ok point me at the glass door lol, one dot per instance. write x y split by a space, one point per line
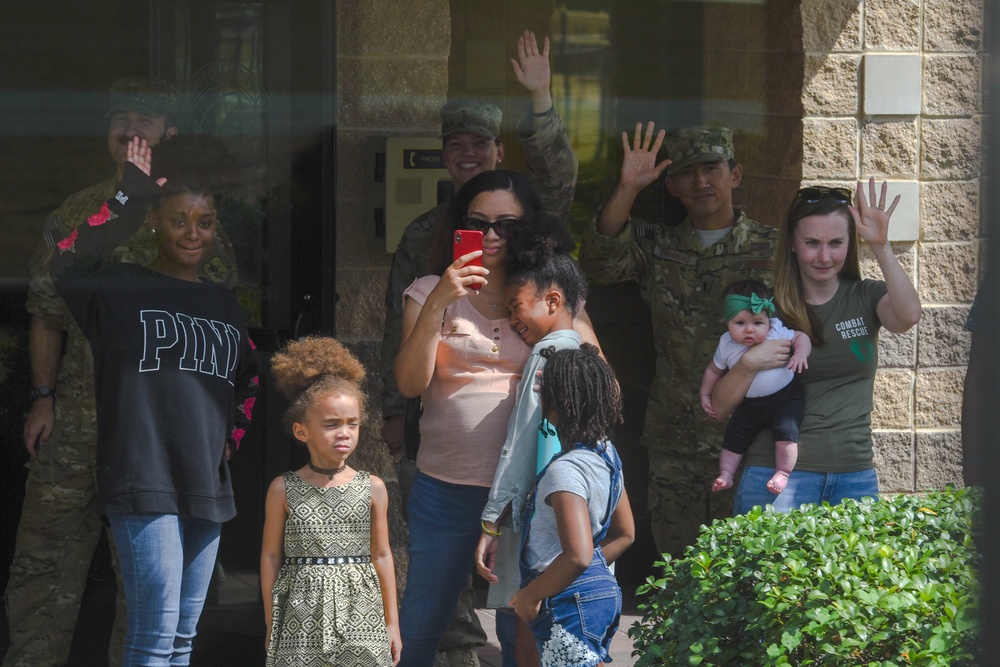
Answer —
262 77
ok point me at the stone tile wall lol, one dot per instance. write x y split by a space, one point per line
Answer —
892 88
392 77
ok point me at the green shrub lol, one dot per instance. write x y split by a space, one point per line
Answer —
870 583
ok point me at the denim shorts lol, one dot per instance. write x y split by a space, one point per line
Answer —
575 627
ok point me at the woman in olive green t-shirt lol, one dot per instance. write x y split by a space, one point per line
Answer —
819 291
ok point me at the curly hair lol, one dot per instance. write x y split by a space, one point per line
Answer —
309 369
581 389
528 245
558 271
488 181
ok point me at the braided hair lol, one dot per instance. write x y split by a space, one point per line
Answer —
310 369
581 389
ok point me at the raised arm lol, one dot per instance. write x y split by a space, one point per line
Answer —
533 71
639 169
417 356
414 365
899 309
552 165
89 243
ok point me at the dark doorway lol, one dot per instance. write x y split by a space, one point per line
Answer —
259 75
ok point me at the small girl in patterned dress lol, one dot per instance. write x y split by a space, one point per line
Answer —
326 570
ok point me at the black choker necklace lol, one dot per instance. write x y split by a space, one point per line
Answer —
329 472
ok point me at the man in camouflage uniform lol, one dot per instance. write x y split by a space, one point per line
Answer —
470 133
681 272
59 526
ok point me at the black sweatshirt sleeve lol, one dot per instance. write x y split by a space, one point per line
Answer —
121 216
78 260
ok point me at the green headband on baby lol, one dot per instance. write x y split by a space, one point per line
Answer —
734 303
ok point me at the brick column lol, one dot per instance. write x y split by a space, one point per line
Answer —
892 90
392 76
951 159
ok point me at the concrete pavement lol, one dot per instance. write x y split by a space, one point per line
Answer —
621 646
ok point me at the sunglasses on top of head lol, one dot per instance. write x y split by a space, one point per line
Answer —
817 193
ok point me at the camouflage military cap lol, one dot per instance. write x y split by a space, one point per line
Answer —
144 94
480 118
698 144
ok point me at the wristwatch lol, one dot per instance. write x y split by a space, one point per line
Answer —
41 392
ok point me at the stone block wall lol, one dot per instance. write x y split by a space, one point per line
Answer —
392 77
892 89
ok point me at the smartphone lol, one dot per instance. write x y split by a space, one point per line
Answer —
466 241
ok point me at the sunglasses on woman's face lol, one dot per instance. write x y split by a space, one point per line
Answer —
818 193
501 226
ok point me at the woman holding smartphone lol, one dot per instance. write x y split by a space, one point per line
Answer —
460 355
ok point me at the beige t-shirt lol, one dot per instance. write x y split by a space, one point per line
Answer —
471 394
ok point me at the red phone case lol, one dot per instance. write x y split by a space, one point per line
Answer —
466 241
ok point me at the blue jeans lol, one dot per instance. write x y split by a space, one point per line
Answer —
167 563
444 530
803 487
506 623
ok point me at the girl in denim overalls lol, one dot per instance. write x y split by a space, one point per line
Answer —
583 522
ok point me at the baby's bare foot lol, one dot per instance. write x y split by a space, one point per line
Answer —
722 482
778 482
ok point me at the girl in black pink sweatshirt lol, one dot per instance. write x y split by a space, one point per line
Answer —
175 377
